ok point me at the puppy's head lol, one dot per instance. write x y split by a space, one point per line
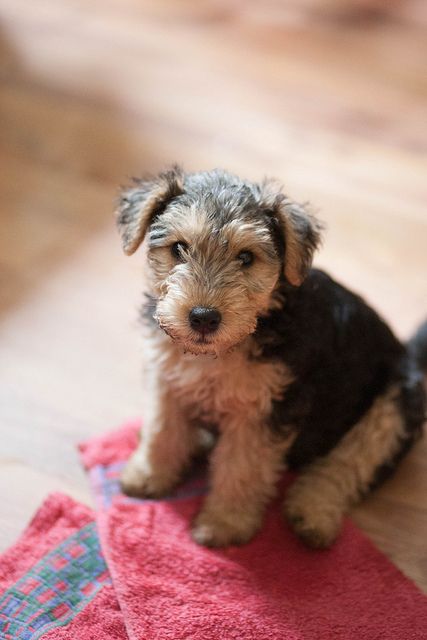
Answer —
217 246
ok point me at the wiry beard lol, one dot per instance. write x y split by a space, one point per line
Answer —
202 346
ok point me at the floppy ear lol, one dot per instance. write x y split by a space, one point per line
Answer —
140 203
300 232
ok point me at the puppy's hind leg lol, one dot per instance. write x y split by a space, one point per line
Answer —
164 450
325 490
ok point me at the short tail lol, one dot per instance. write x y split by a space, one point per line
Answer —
417 347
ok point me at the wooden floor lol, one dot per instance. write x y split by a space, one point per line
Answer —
331 102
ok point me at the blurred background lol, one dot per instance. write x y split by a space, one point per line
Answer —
328 96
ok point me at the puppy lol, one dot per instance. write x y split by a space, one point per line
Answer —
244 338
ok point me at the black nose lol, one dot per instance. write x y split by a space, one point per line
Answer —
204 320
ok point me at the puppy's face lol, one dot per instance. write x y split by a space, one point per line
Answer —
213 269
216 249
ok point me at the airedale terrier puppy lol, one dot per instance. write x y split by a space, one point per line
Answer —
244 338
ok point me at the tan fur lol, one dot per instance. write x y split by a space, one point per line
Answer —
293 266
324 492
234 508
298 255
139 225
195 378
247 460
211 277
214 248
165 445
139 204
211 388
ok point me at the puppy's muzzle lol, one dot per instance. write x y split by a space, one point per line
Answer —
204 319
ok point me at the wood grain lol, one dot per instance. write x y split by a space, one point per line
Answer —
332 101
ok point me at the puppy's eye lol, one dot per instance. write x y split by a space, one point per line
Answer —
177 249
246 258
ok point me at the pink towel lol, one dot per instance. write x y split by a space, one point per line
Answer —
54 582
170 588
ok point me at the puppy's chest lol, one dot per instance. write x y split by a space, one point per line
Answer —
229 384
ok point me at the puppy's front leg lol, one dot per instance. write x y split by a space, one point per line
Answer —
244 469
164 449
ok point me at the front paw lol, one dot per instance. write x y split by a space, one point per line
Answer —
220 529
139 481
314 515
